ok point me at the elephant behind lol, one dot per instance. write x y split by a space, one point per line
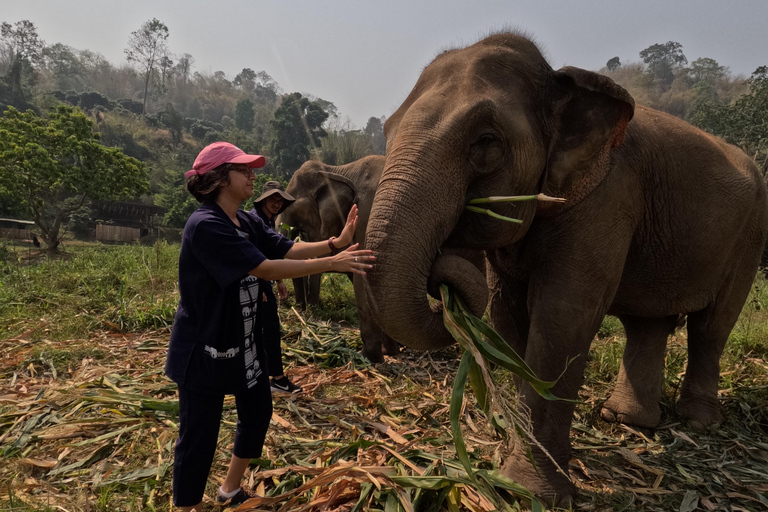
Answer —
660 220
324 194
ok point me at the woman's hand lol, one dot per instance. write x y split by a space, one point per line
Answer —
345 238
353 260
282 290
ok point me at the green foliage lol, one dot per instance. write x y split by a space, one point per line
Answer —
613 63
663 60
375 130
707 70
341 147
244 115
745 121
130 288
296 129
23 48
146 47
52 165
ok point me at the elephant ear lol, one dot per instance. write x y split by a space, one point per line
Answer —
590 119
335 196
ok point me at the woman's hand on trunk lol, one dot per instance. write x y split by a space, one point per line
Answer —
345 238
353 260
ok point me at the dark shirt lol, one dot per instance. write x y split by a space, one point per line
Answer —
257 211
216 342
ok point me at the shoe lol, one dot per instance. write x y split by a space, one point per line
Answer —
240 496
284 386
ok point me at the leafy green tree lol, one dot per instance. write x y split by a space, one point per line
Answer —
663 60
244 115
23 49
375 130
64 65
53 165
246 80
706 70
296 128
171 119
745 121
146 47
613 63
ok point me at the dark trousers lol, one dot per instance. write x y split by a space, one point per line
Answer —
199 420
270 334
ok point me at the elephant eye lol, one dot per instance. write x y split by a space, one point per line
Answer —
486 152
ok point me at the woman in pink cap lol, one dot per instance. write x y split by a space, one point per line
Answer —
215 346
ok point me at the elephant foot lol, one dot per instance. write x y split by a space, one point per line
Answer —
372 353
630 412
390 347
699 412
552 487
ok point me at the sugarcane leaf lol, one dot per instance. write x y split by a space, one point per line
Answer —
477 382
457 398
365 492
490 213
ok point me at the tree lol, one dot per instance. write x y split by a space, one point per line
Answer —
53 165
375 130
613 63
244 115
166 66
145 47
745 121
246 79
65 66
22 48
663 60
184 66
707 70
297 127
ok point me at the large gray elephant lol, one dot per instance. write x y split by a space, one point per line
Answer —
660 220
324 194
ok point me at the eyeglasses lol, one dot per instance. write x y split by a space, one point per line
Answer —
245 170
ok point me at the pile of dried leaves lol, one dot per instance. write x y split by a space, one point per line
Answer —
90 425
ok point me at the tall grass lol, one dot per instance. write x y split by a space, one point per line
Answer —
125 288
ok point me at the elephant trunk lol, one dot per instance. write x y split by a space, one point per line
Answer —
414 211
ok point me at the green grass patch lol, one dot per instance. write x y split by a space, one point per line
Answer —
126 288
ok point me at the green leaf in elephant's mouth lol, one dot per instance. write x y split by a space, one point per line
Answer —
507 199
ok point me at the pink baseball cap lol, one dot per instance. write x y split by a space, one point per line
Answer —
219 153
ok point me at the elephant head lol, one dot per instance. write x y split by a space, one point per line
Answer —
323 200
491 119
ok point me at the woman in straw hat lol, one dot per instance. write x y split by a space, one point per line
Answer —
271 203
215 346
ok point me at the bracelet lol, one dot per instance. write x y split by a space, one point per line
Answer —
334 250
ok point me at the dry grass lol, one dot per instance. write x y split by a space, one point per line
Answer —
89 423
97 433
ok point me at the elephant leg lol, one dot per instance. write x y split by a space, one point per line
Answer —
508 310
635 400
557 334
313 295
389 346
300 291
708 332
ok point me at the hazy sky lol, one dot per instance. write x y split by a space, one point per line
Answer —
366 56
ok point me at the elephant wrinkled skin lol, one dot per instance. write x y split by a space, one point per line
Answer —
660 220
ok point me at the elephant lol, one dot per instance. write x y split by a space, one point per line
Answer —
660 220
324 194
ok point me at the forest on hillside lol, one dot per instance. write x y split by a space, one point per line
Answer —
153 112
